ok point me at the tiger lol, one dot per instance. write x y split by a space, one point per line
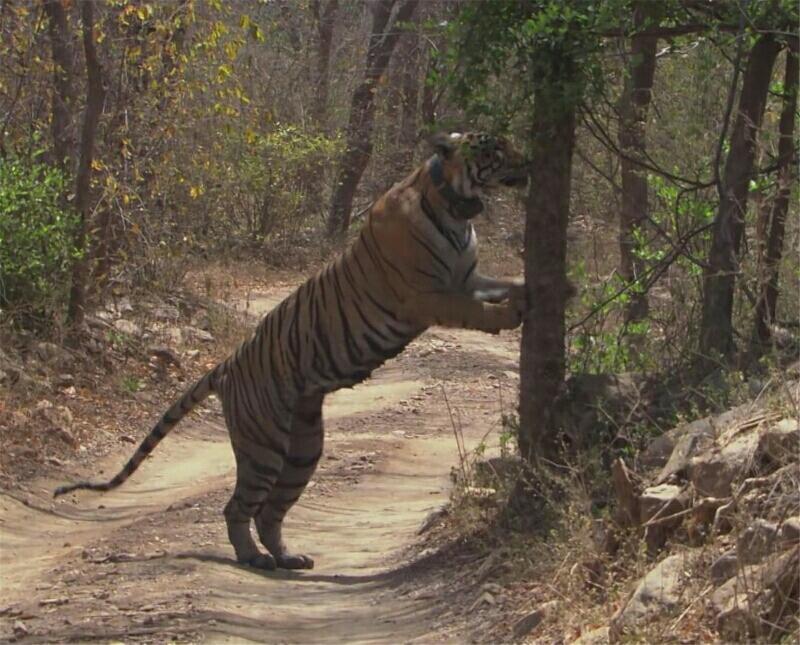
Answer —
413 265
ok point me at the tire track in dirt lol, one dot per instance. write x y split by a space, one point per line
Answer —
151 561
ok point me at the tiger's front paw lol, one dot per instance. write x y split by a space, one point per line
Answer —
505 316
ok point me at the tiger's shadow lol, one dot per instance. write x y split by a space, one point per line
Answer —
395 575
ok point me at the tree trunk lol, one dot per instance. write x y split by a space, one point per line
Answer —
633 108
768 297
542 355
325 22
63 81
409 96
95 96
716 331
383 39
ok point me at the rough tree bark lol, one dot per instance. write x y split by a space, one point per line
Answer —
325 20
382 41
768 296
719 280
63 81
95 96
633 108
542 355
409 95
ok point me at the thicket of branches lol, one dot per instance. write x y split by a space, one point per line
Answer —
136 134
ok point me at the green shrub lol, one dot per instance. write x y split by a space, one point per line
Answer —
36 239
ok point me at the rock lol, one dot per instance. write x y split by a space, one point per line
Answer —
780 443
712 474
626 494
658 592
20 630
789 534
198 334
598 636
531 621
64 380
660 502
52 353
165 312
724 568
760 603
432 518
656 453
192 354
165 355
121 306
484 599
174 336
695 437
127 327
756 541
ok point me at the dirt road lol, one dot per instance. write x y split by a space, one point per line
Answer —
151 562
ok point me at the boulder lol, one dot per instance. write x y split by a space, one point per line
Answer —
658 505
692 439
789 534
762 602
780 443
756 541
127 327
598 636
52 353
657 593
532 620
198 334
165 312
724 568
713 472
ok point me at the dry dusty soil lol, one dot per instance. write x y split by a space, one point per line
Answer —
151 562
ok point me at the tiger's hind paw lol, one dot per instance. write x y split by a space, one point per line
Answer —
291 561
262 561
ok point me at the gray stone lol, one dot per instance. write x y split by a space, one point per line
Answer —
531 621
661 501
724 568
52 353
198 334
657 593
764 597
165 312
695 437
780 443
127 327
713 472
756 541
597 636
789 534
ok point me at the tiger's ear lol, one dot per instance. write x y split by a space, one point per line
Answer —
443 144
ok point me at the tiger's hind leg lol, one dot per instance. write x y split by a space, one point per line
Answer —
305 449
257 470
260 443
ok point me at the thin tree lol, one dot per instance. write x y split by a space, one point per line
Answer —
63 96
542 353
95 96
383 38
633 108
716 332
325 20
766 305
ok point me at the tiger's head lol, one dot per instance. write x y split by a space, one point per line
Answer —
466 165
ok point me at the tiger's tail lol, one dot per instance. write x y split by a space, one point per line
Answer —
197 393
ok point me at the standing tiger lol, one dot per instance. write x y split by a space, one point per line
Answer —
412 266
